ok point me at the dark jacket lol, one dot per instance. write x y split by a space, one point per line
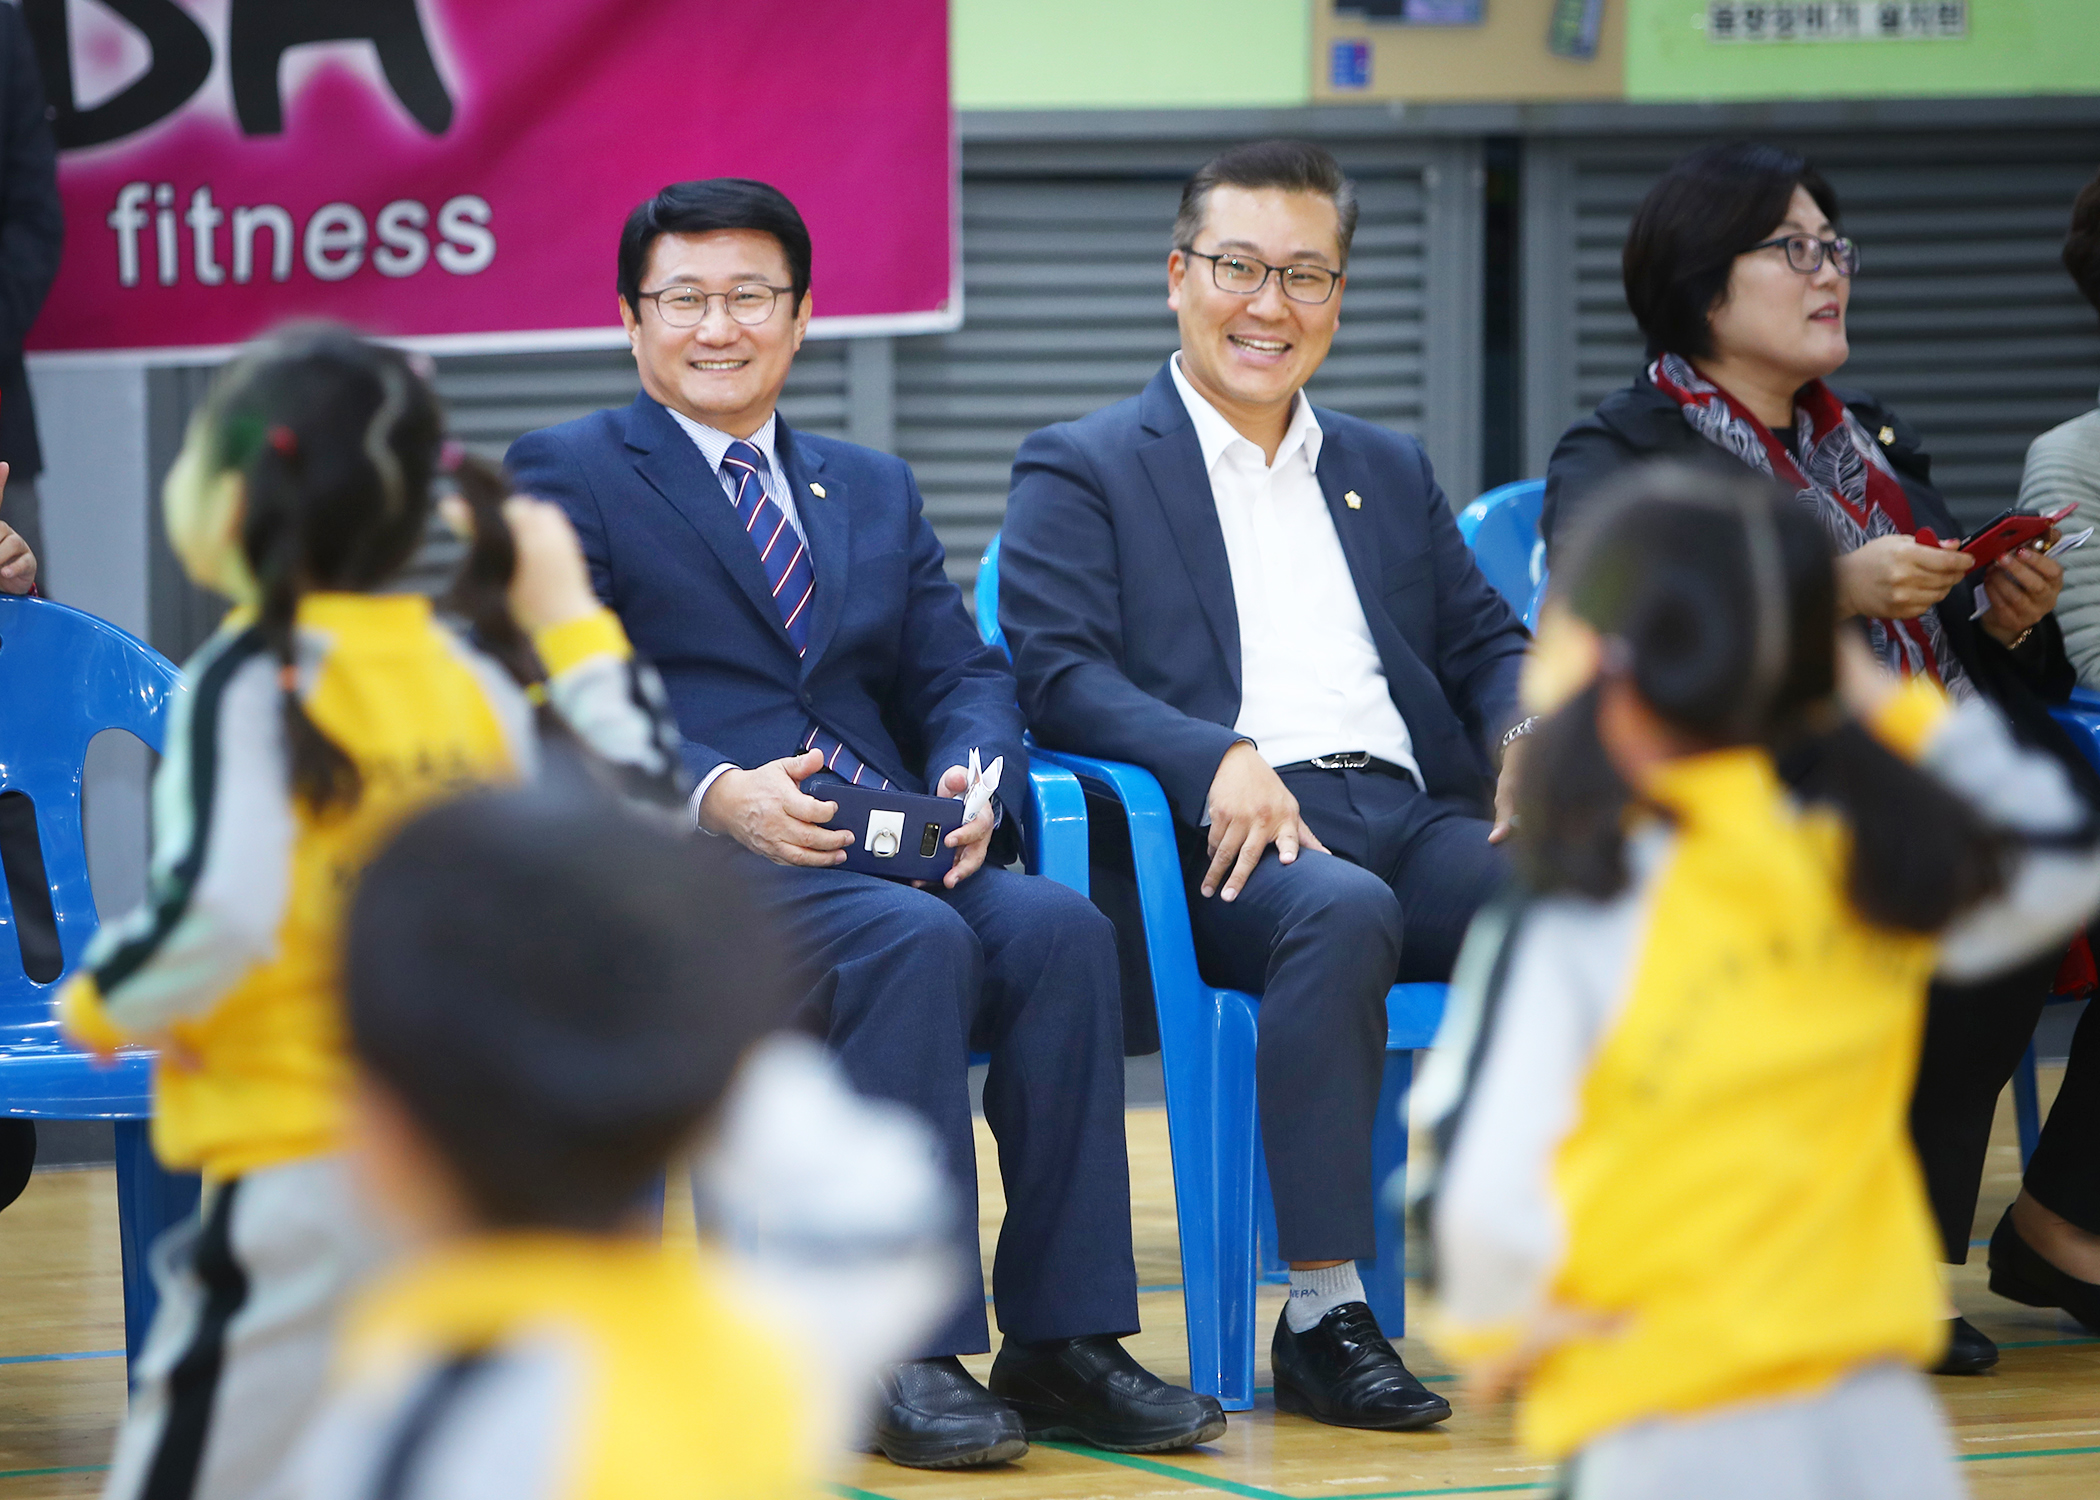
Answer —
1116 596
1640 422
32 228
893 667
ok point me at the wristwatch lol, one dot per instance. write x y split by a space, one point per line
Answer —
1518 730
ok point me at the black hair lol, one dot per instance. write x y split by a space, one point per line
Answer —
338 442
702 208
557 992
1717 603
1294 166
1704 212
2082 244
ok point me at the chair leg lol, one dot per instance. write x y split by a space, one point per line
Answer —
1385 1276
2027 1109
1268 1262
1211 1131
150 1200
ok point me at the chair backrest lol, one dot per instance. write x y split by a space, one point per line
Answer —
1502 528
988 598
65 676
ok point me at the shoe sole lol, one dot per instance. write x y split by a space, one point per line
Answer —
1210 1431
1288 1400
1003 1452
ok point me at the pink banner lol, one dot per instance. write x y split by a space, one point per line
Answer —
457 171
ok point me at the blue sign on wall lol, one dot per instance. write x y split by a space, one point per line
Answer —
1351 66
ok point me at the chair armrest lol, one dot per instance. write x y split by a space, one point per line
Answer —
1170 943
1057 826
2080 719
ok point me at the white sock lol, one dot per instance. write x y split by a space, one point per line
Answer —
1315 1294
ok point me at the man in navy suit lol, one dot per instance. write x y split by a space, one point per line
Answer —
1269 607
792 595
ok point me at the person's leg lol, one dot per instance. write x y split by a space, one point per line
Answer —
1439 862
2064 1175
1051 1018
238 1358
1975 1035
891 976
1319 940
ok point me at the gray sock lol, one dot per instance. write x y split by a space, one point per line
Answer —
1315 1294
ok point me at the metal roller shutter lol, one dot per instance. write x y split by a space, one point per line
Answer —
1064 264
1962 318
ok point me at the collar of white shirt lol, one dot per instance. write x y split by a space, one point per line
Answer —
1216 436
713 443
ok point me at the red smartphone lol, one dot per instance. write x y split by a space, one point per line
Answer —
2002 534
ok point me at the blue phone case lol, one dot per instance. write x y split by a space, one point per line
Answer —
898 835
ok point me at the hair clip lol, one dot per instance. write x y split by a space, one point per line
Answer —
451 454
284 440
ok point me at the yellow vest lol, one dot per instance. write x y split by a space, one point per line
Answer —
676 1394
1740 1182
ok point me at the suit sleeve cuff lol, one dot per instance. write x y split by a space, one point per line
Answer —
1905 722
700 795
83 1018
574 642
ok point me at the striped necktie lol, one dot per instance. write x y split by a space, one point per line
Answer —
794 583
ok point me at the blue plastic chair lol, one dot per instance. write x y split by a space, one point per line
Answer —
1502 528
66 676
2080 719
1222 1202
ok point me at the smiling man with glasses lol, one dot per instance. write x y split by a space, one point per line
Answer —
1268 605
791 593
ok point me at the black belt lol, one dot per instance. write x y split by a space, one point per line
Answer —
1350 760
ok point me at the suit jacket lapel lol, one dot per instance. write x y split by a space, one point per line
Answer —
675 469
1342 472
1173 461
830 540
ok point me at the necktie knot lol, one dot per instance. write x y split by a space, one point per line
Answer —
743 459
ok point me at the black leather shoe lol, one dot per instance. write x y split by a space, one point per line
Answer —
1342 1371
2019 1273
1969 1350
935 1415
1091 1391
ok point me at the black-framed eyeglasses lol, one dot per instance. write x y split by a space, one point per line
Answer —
1243 276
1805 253
749 303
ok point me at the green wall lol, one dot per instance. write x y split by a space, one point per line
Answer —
2013 47
1130 54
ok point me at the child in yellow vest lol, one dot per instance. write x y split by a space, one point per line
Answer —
318 717
1677 1201
546 1000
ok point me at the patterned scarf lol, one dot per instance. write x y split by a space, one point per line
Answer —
1838 471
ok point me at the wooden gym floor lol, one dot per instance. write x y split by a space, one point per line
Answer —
2030 1428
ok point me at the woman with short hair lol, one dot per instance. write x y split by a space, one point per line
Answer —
1740 278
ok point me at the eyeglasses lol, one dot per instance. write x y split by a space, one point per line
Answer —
1805 253
749 303
1244 276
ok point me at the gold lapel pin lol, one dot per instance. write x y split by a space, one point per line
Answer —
1353 500
816 489
1887 436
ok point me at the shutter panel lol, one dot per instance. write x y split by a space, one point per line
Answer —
1064 264
1962 318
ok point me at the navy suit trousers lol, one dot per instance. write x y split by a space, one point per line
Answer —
905 984
1321 940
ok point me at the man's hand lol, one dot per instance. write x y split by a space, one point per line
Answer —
972 839
17 562
1506 791
769 814
2022 587
1893 578
1250 809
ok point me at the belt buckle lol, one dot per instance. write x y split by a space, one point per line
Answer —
1345 760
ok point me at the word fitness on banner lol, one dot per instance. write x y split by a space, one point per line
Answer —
1835 20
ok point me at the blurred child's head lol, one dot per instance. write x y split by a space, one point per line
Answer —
547 997
307 467
1694 611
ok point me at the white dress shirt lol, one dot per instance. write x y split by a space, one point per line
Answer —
1311 681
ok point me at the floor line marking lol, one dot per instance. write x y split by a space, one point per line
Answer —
1464 1489
2021 1437
38 1359
2048 1343
851 1493
41 1473
1167 1471
1984 1458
